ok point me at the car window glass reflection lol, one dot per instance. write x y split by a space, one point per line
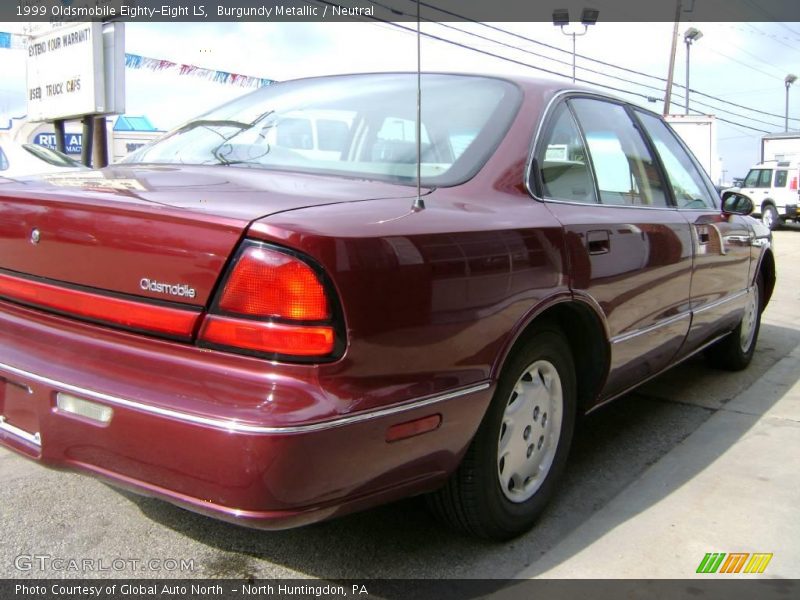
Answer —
625 170
687 182
562 161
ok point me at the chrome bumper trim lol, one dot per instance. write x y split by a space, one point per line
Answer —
233 426
31 438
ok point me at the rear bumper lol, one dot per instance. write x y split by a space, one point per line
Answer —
214 433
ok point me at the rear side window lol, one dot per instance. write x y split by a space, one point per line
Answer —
688 185
780 178
562 161
625 170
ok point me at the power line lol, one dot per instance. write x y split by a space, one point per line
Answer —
598 61
644 85
773 37
538 68
744 64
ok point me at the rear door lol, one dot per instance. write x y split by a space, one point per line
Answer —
629 250
721 243
782 192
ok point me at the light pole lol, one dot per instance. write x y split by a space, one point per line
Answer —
561 19
692 35
790 79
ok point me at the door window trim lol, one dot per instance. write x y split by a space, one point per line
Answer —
532 174
704 178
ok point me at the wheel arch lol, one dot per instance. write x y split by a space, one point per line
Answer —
766 267
580 320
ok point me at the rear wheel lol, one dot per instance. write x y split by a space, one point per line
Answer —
769 216
510 470
735 351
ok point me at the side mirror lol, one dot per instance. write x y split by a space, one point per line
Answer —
737 204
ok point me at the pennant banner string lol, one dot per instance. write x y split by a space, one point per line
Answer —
135 61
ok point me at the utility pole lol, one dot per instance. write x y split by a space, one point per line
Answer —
668 92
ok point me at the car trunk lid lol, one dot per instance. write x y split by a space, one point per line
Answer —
163 233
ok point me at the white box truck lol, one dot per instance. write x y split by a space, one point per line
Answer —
783 147
699 133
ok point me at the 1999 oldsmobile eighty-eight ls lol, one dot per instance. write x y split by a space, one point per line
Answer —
257 318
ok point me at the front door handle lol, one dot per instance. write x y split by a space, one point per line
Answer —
598 241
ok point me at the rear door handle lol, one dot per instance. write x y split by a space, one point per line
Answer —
598 241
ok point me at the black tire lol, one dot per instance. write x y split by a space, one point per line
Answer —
733 353
473 499
770 217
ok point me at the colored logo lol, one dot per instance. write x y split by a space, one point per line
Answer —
734 562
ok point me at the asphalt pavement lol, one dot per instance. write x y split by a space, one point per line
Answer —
697 461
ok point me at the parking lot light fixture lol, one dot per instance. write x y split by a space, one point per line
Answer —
561 19
692 35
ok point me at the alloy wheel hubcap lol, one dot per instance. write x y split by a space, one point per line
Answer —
767 218
529 431
748 330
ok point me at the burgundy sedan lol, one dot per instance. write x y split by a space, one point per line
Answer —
257 318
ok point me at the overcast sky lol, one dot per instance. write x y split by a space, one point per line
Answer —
745 63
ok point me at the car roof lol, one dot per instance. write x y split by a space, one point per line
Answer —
534 85
772 164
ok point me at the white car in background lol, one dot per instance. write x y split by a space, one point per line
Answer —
20 160
773 188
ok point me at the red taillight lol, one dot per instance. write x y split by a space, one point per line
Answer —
793 184
272 303
266 283
261 336
131 314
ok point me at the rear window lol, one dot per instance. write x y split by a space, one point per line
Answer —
53 157
365 127
332 134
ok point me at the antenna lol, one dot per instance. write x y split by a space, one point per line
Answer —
419 203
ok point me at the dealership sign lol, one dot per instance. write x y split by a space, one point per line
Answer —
65 73
73 142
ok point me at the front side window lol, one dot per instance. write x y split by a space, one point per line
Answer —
562 161
758 178
360 126
688 185
625 170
